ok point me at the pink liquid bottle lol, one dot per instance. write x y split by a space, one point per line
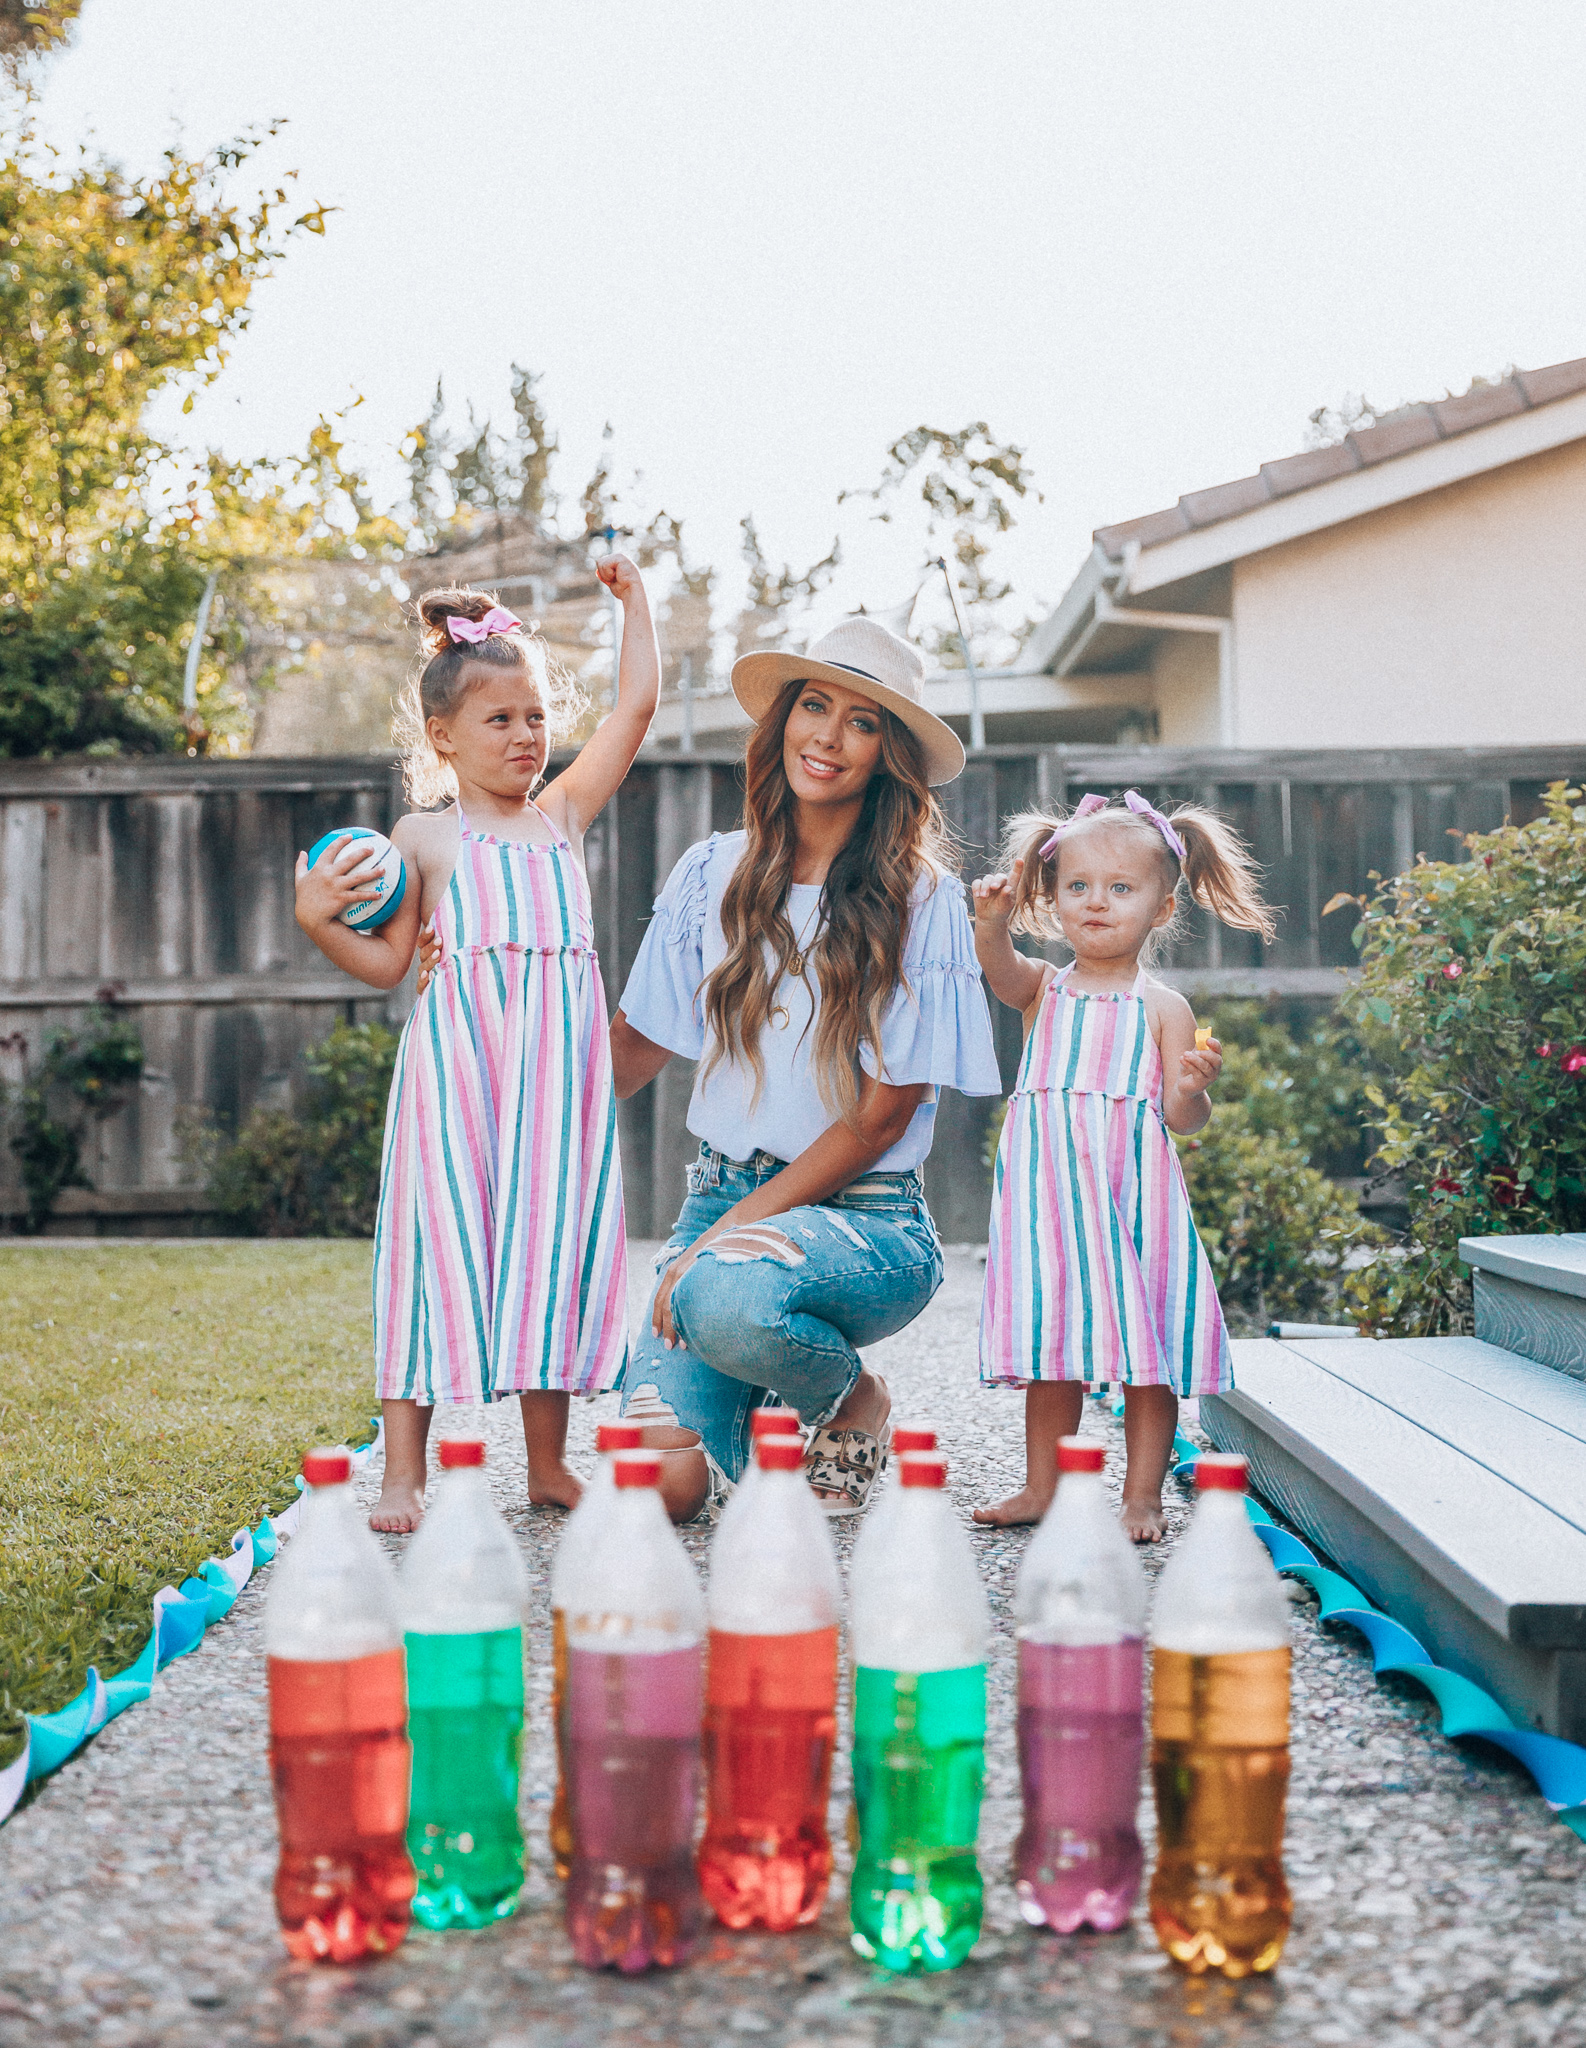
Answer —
1080 1612
339 1752
635 1620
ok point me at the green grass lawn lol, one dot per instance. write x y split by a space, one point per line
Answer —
153 1400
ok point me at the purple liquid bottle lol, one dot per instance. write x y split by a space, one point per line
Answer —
1080 1611
635 1698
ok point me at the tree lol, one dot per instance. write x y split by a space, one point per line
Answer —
969 484
114 289
772 592
30 27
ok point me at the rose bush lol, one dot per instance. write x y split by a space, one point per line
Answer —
1472 1004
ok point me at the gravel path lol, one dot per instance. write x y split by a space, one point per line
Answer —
1437 1901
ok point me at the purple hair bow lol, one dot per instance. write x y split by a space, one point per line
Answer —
1090 804
474 630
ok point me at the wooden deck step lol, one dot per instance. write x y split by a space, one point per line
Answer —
1530 1296
1449 1483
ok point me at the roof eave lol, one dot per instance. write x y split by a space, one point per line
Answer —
1355 494
1062 628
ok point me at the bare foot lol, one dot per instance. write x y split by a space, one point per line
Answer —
555 1487
1143 1520
1024 1506
400 1508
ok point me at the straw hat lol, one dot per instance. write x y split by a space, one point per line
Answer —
859 655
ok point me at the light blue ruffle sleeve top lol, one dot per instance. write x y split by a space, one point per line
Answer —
936 1029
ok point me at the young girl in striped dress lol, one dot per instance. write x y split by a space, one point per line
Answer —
500 1265
1095 1271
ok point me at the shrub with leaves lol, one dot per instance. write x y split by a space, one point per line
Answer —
317 1174
1472 999
83 1077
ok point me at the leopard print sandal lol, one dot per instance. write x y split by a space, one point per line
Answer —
846 1463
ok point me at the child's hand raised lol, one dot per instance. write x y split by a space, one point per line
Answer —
993 896
620 576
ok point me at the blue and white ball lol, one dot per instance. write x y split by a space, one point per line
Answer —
383 867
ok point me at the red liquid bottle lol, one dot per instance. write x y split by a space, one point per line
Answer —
771 1700
339 1752
635 1656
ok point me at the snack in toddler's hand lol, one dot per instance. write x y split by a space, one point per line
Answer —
1203 1038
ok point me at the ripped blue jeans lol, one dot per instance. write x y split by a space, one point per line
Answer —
783 1320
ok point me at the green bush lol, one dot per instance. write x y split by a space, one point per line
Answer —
1472 999
1276 1229
318 1174
84 1076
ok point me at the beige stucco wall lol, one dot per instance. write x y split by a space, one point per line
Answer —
1455 619
1184 673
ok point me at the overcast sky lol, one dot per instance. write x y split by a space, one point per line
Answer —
1142 238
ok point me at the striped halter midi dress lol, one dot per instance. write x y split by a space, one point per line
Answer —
500 1260
1095 1269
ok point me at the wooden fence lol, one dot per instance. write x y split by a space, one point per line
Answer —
166 885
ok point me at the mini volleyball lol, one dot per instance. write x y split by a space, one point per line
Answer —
381 866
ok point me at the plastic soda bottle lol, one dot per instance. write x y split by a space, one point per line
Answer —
1079 1608
635 1682
1220 1737
770 1699
582 1526
464 1589
338 1730
920 1624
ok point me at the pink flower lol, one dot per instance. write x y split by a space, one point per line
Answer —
1546 1049
1454 969
1574 1059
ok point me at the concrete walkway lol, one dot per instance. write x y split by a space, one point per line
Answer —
1437 1901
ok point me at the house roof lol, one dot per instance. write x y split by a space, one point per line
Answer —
1396 433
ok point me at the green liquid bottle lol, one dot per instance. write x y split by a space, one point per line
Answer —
920 1623
464 1589
919 1769
465 1721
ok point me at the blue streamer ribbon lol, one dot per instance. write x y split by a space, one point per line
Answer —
181 1615
1558 1767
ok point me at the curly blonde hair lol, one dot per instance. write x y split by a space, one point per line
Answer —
1218 870
449 668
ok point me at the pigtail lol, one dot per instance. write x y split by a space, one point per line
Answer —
1221 873
1023 836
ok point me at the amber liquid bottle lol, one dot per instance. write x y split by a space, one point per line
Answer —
1220 1739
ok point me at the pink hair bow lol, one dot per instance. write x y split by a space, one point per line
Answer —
1090 804
474 630
1087 807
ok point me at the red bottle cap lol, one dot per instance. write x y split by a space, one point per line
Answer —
922 1468
1079 1454
779 1453
1224 1470
328 1467
461 1450
913 1436
636 1468
774 1422
619 1436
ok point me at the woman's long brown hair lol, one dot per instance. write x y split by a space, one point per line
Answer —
858 953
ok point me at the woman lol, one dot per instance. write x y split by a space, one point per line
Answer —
820 967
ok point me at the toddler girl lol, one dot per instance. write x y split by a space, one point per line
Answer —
1095 1272
499 1264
